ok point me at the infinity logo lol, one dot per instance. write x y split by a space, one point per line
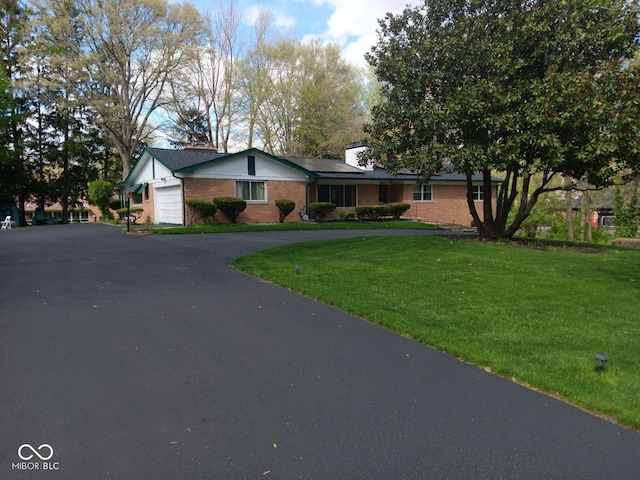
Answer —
32 451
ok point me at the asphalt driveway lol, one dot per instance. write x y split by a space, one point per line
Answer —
147 357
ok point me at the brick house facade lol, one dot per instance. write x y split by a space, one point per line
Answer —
162 180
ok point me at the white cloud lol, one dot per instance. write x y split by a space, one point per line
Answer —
281 20
353 24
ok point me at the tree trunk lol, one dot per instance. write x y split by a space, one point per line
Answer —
566 181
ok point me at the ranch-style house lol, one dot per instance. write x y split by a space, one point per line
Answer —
163 179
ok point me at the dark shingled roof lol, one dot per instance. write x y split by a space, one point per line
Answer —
323 167
178 159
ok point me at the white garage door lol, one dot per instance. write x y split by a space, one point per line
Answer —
169 205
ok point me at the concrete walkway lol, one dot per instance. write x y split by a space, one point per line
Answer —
146 357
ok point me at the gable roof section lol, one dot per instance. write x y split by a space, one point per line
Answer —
252 151
173 160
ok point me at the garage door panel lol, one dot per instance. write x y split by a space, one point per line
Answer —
169 205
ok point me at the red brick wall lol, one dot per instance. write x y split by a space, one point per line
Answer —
209 188
368 194
449 205
148 214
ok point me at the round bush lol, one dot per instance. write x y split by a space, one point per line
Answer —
231 206
200 210
320 210
285 207
371 212
397 209
134 213
347 215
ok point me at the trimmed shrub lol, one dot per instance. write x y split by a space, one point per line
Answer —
626 242
114 204
231 206
285 207
371 212
397 209
134 214
321 210
100 194
199 210
347 215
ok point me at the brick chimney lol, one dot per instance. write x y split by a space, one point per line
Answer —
201 147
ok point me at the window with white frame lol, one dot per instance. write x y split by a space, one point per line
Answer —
422 192
251 191
478 193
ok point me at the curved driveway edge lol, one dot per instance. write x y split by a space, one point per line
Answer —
147 357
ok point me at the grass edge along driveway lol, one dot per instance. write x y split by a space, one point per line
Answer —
535 316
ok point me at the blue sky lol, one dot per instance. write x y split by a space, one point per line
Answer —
351 24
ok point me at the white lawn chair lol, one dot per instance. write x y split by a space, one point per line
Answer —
6 223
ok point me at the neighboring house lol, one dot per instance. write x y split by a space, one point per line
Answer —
601 209
163 179
83 213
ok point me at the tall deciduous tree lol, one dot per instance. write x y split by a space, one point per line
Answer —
255 83
204 99
525 88
315 104
330 105
131 49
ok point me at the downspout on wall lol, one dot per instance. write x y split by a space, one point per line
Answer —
182 193
306 195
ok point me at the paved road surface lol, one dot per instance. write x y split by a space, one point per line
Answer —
146 357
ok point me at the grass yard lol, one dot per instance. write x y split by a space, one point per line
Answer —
535 316
289 226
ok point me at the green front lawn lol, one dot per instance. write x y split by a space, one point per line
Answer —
290 226
535 316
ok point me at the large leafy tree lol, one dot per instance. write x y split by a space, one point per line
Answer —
65 148
11 168
531 89
330 109
314 100
16 180
129 51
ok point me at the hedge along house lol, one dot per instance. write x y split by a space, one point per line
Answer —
163 179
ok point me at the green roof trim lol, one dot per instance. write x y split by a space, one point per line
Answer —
132 188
